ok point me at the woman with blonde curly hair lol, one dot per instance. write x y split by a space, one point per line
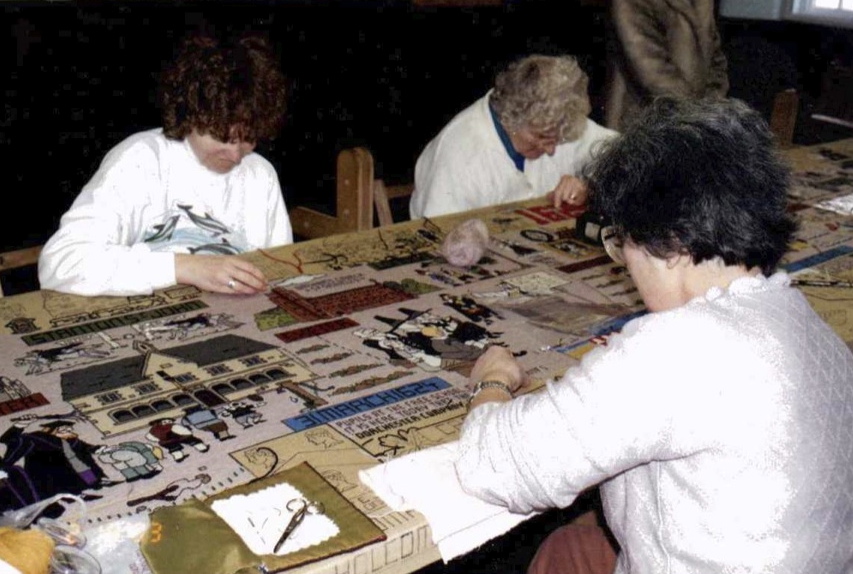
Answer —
176 204
528 136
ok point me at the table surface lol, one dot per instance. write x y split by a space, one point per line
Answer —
359 354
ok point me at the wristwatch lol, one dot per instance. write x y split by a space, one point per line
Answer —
487 384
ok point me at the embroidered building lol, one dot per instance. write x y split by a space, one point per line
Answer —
124 395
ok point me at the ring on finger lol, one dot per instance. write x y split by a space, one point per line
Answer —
232 284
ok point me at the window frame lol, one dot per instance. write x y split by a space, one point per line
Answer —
806 11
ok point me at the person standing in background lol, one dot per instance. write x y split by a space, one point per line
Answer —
661 48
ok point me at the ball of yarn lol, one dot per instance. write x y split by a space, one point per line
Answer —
466 244
26 550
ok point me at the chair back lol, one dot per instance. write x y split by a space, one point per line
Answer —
17 259
353 199
382 196
357 195
783 116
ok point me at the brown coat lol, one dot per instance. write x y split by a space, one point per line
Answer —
663 47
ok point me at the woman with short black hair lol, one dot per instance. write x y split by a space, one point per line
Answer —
716 425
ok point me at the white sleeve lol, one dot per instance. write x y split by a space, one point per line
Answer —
445 182
613 412
96 250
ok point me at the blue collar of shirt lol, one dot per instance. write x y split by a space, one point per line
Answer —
516 157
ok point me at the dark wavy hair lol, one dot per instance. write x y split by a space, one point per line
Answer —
232 90
697 177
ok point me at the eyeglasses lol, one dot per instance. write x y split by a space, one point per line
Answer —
546 138
539 139
612 243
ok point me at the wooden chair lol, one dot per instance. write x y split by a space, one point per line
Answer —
18 258
783 116
354 199
382 196
357 195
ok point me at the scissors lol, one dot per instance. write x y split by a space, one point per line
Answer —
300 507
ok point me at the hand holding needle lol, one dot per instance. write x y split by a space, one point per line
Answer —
301 508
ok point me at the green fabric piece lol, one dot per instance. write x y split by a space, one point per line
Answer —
190 537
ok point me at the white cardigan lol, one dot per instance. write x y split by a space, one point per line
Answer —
467 167
149 199
721 431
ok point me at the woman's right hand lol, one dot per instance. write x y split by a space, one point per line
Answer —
498 364
219 274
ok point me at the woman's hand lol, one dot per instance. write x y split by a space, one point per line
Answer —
570 190
498 364
219 274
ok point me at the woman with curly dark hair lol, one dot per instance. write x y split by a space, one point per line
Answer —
177 203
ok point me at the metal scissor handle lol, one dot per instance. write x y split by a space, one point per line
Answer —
300 507
305 506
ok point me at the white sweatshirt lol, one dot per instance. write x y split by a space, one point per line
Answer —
152 198
467 166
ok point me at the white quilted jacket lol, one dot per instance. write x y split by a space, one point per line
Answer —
721 431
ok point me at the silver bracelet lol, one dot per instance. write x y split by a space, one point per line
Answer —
488 385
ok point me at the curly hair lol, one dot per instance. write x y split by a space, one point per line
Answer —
543 93
697 177
232 90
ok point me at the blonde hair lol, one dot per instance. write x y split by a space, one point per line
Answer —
543 93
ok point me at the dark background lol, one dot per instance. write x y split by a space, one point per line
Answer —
80 77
